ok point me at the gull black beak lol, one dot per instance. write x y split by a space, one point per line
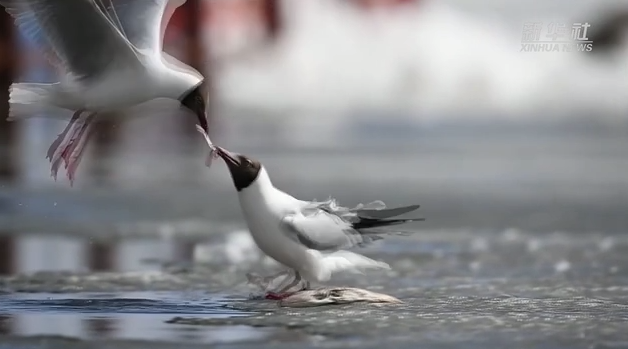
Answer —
229 157
196 103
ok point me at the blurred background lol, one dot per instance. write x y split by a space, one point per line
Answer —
407 101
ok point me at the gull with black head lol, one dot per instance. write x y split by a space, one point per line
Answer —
308 237
110 58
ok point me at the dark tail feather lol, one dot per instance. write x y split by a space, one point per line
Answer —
373 229
366 223
373 218
385 213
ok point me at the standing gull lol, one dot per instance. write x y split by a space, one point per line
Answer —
110 58
308 237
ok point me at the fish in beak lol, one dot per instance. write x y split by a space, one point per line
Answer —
229 157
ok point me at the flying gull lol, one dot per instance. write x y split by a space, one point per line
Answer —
110 58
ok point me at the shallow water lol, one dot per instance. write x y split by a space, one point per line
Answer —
132 315
460 288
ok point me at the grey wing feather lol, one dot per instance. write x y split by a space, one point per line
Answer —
83 40
328 226
30 29
142 22
374 210
321 231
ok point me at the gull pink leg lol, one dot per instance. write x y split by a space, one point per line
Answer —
62 153
77 135
72 144
55 151
75 153
278 296
61 137
54 168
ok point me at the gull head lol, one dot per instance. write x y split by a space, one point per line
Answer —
244 170
194 101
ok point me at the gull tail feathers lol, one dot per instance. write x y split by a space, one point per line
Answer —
367 223
28 100
373 224
376 218
381 213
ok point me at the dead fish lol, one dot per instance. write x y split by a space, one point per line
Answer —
336 295
212 148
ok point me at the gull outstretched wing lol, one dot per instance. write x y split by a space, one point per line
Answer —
327 226
73 34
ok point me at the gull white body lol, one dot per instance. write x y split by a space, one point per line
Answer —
264 207
306 236
266 210
118 90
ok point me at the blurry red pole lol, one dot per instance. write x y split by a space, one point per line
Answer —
104 136
382 3
7 254
8 50
101 327
272 18
192 31
6 324
100 256
184 251
196 50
